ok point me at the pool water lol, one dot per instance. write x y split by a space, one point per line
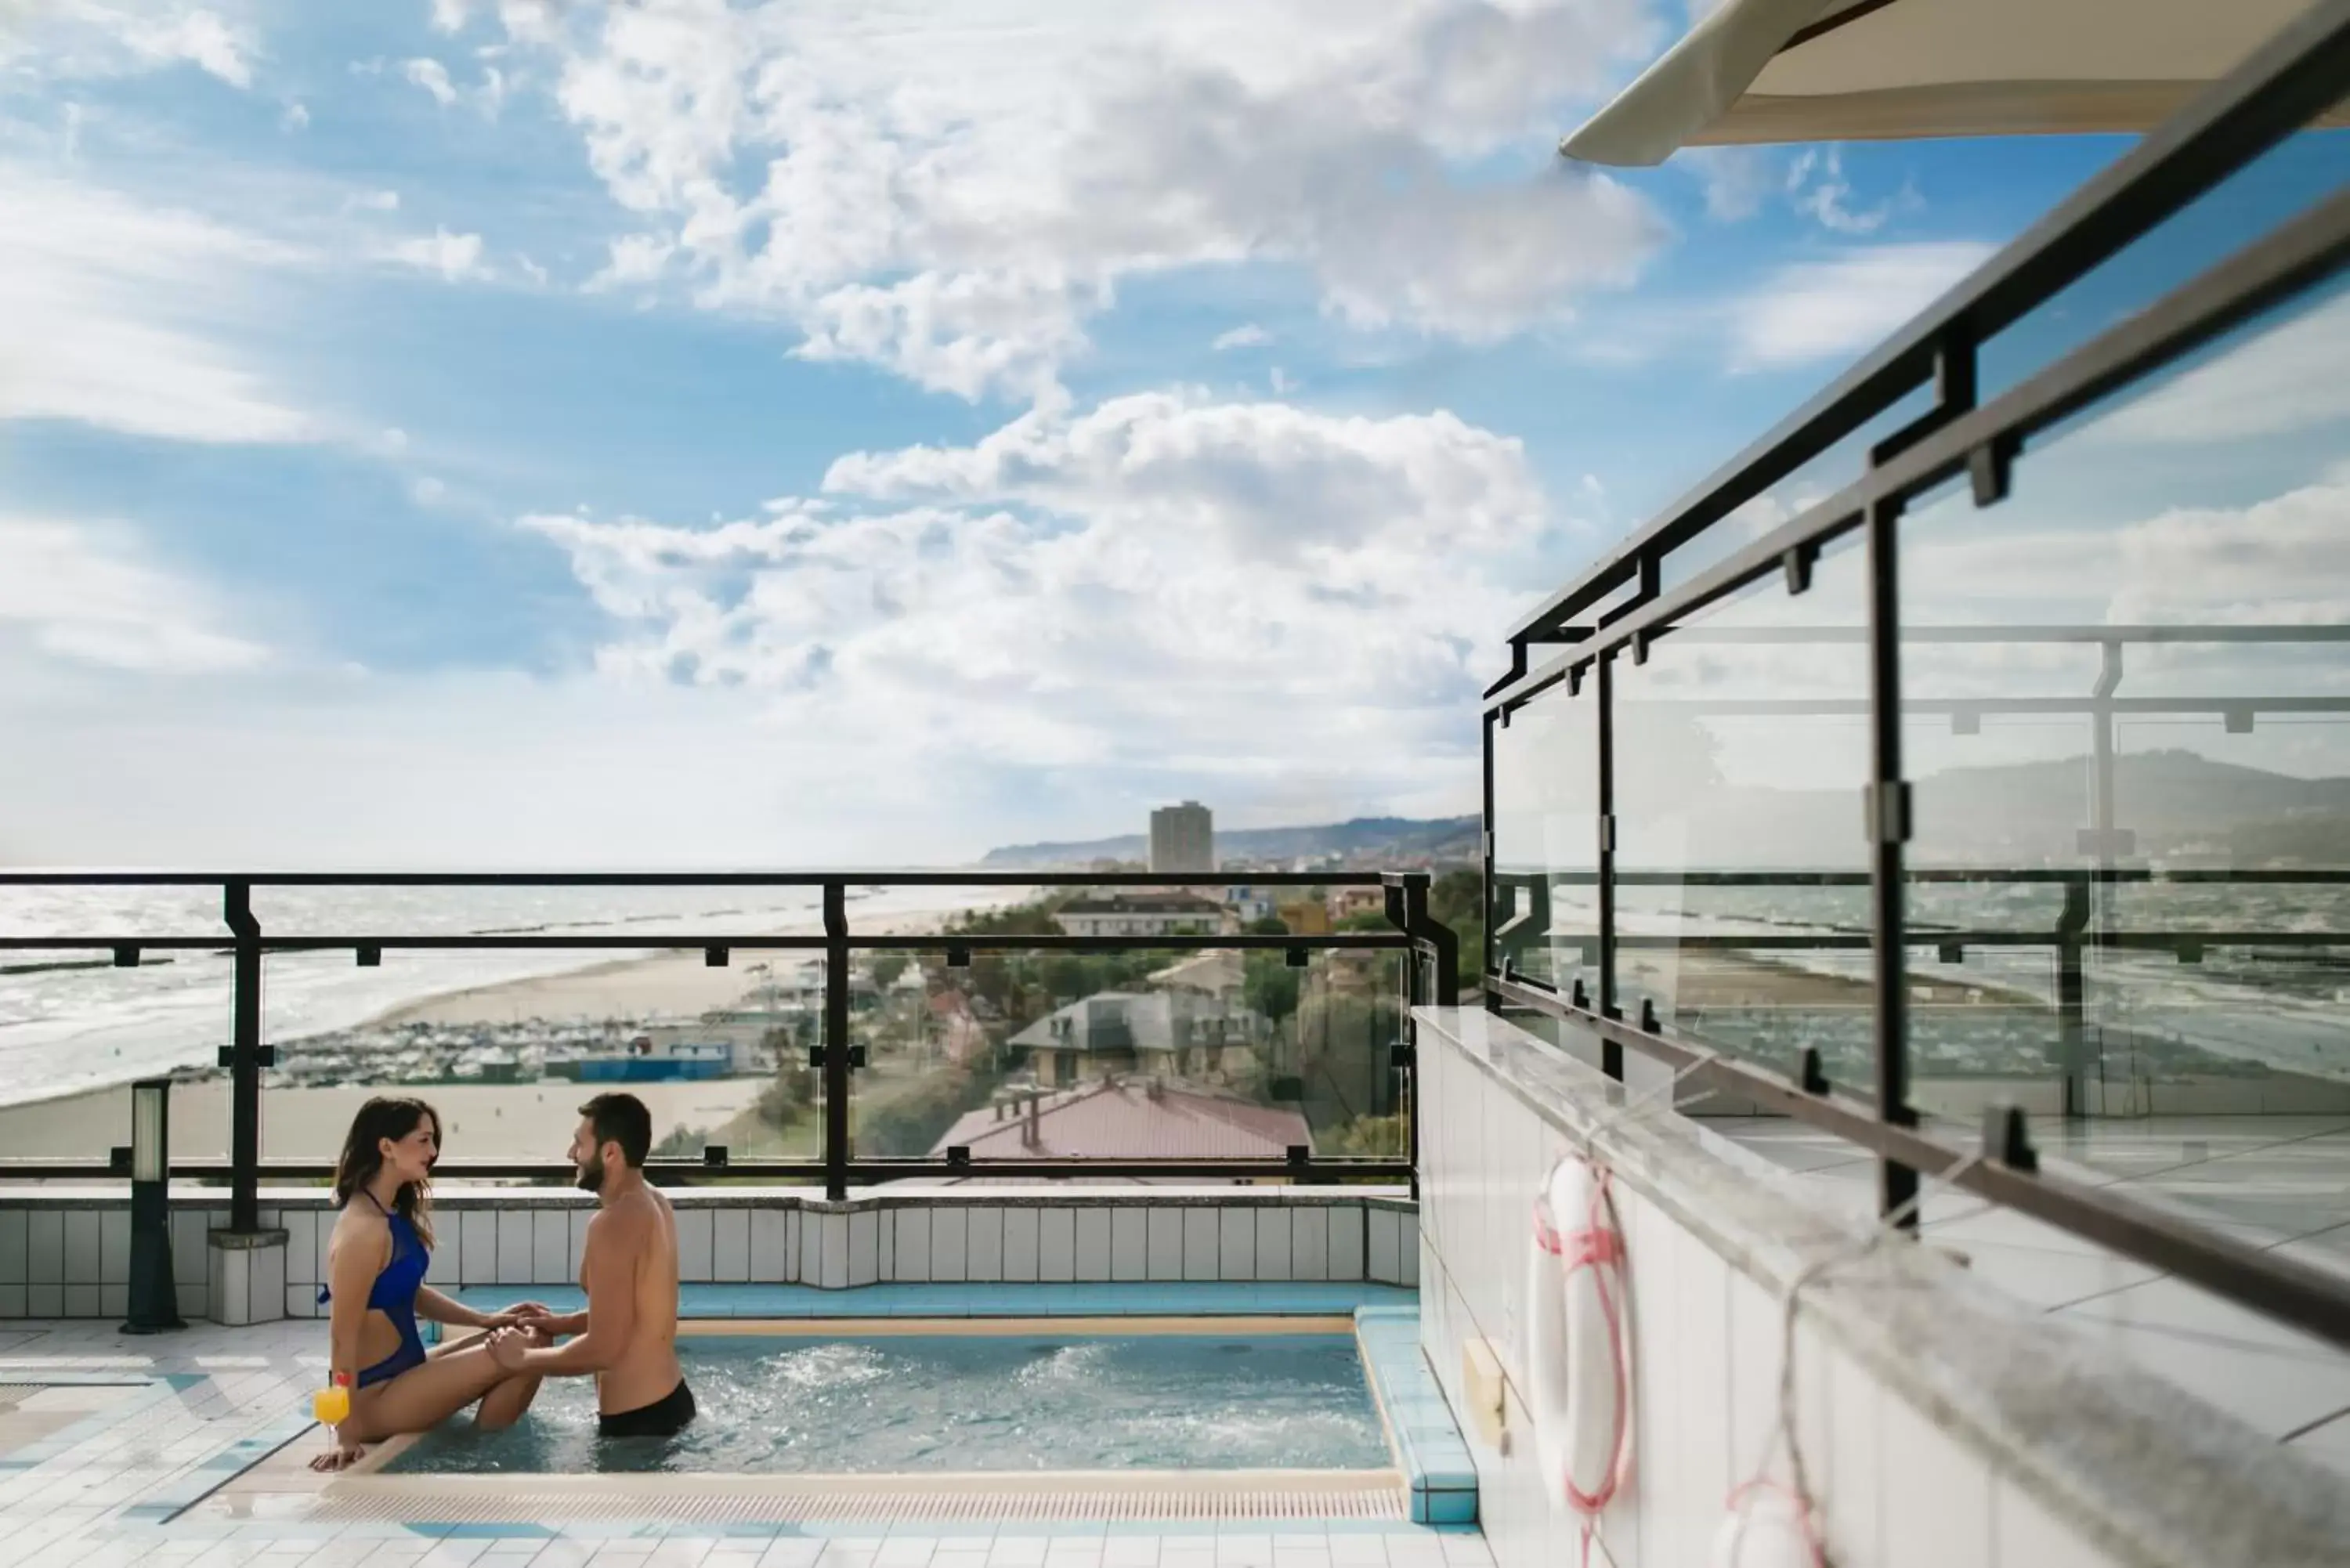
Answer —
963 1402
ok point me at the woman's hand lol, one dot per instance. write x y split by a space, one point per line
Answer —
522 1314
342 1456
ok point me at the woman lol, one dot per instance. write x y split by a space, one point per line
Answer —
375 1263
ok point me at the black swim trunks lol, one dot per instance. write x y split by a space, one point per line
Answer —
663 1418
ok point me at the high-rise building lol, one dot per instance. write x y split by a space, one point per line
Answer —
1182 838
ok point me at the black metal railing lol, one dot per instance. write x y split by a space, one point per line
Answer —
1428 948
1582 646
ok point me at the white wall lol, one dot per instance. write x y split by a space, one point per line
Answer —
1942 1427
69 1256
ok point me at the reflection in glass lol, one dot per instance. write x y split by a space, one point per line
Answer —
1545 905
1740 749
1153 1054
2126 695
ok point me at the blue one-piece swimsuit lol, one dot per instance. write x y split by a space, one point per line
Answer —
394 1295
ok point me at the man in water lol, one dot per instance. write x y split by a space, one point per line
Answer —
627 1335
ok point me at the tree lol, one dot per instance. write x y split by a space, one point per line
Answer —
1270 926
1270 986
886 968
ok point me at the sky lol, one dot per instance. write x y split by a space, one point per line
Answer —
508 432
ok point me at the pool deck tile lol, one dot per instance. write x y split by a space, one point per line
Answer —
1429 1446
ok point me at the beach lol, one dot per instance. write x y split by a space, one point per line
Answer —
482 1121
505 1121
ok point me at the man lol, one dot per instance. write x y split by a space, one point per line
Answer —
627 1335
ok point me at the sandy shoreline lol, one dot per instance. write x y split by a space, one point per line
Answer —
482 1121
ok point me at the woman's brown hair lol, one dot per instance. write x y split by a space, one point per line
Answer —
383 1117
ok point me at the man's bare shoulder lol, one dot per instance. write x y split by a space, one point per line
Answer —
628 1218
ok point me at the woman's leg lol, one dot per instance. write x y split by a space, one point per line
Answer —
502 1405
426 1395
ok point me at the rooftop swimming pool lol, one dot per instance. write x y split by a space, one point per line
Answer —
1035 1399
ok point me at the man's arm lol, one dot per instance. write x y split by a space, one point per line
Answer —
433 1306
607 1268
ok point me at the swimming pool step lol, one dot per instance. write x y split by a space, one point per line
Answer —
755 1500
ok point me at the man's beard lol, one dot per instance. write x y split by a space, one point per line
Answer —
591 1175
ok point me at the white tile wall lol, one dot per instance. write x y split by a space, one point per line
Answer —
771 1245
518 1242
1202 1244
1109 1244
730 1245
986 1258
832 1250
1895 1491
864 1261
1057 1245
1022 1243
477 1243
1272 1232
1236 1244
913 1243
550 1246
693 1246
949 1244
47 1253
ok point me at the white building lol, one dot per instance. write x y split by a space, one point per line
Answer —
1182 838
1142 915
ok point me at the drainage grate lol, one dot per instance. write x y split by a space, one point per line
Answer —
424 1504
15 1394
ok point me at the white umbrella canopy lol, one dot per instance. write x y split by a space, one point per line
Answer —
1858 70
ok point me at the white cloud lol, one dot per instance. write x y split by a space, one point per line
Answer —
531 270
122 315
1823 309
2282 377
953 203
433 78
1251 335
1737 179
83 593
455 257
374 202
967 333
450 15
296 118
95 38
635 259
1099 595
1817 188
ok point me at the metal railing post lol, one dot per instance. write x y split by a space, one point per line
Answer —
243 1060
2072 1033
1611 1051
836 1040
1888 833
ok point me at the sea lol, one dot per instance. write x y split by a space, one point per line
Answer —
70 1021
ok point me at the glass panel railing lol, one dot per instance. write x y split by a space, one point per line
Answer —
1742 745
506 1045
1543 899
2126 695
1148 1054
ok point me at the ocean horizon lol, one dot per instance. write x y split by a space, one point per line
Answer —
68 1030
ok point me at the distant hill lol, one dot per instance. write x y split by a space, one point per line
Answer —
2177 803
1388 839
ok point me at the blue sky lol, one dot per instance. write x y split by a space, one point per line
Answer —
473 432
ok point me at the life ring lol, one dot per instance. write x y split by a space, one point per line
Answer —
1768 1527
1578 1366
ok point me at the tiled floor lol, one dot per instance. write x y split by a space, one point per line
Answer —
2274 1181
91 1495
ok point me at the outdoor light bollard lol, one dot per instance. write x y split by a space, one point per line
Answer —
154 1298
